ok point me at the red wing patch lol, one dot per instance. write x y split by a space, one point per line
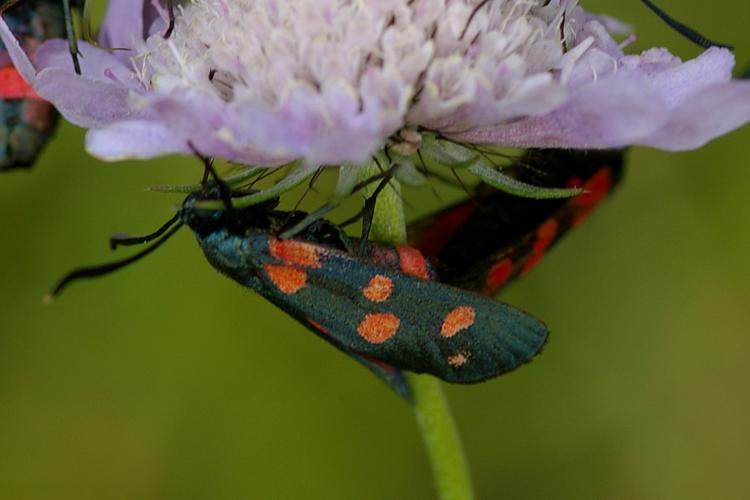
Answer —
413 263
442 230
295 253
318 327
498 275
13 86
598 187
545 236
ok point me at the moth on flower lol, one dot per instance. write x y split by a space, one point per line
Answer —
331 82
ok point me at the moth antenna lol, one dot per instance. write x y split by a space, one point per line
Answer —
104 269
126 240
683 29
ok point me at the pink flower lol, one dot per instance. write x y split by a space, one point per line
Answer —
331 82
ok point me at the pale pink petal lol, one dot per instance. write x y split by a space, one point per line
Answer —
126 25
86 103
651 100
16 53
598 115
711 113
96 64
138 139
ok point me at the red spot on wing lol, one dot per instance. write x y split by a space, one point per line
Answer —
546 233
379 289
287 279
442 229
597 187
498 275
412 262
295 253
13 86
458 320
545 236
377 328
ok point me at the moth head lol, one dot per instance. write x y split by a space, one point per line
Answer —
204 218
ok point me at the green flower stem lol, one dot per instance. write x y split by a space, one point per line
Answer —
439 432
441 438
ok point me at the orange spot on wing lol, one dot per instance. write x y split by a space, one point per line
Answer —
379 289
458 320
498 275
376 328
412 262
458 360
13 86
295 253
287 279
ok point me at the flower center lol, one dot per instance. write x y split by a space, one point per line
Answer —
263 50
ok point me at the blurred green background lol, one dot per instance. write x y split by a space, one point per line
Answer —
167 381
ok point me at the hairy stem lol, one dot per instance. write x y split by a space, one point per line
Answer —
439 432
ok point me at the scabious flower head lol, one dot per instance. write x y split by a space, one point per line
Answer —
331 82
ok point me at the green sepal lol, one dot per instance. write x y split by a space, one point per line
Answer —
455 156
511 185
291 181
234 180
347 180
407 172
447 154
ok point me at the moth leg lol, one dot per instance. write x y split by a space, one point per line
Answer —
368 211
326 232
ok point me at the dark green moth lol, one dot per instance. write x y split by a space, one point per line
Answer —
382 306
